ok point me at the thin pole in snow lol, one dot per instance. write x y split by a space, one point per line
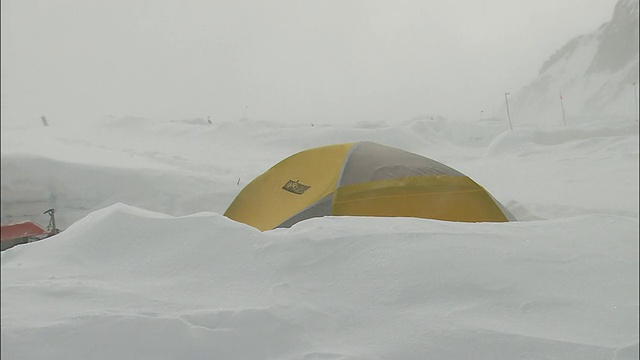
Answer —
508 114
52 229
564 121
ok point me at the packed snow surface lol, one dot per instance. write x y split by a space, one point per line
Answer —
147 267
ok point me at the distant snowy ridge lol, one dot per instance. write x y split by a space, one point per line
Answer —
595 73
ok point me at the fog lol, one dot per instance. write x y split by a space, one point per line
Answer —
287 61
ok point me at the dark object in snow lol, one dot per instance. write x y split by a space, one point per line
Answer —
21 233
27 231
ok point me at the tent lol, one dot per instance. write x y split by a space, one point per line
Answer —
21 233
361 179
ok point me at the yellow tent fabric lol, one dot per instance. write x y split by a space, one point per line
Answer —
361 179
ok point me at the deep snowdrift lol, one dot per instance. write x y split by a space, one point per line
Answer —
148 268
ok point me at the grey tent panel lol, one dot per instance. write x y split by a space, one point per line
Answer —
370 162
320 208
506 212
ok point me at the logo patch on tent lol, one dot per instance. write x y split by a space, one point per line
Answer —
295 187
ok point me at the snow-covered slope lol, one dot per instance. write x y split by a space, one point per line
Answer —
148 268
596 74
130 284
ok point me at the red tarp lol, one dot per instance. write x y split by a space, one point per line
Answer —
24 229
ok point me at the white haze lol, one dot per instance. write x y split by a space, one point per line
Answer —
147 267
290 61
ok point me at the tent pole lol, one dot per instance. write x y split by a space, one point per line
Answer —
508 114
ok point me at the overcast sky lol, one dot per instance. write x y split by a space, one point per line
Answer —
292 61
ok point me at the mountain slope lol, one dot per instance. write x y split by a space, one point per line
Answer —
595 74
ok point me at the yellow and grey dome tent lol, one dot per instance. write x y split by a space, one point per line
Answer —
361 179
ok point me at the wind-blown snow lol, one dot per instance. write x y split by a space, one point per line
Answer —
148 268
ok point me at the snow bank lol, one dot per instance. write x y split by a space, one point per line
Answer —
125 282
147 266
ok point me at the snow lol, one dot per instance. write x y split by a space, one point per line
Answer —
594 76
148 268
